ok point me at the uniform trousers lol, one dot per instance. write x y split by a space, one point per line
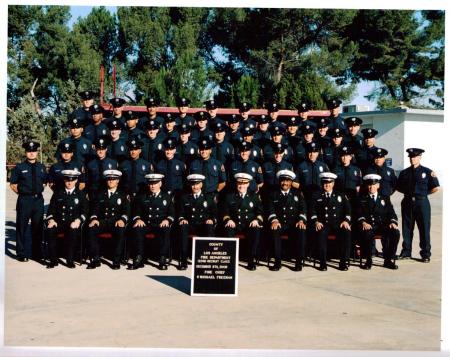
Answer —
70 236
389 241
252 234
106 226
29 207
344 239
416 211
162 233
294 233
199 229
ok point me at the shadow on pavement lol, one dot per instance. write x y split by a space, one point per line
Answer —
10 239
180 283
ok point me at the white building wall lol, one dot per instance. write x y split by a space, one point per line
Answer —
426 132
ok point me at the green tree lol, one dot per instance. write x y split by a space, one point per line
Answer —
402 50
282 48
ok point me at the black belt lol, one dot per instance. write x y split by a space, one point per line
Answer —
415 198
37 195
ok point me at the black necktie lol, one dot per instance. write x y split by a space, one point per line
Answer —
133 176
33 179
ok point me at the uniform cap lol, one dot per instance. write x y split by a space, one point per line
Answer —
210 104
71 174
276 130
201 115
245 146
273 107
333 103
129 115
327 177
379 152
345 150
114 125
152 124
96 109
278 148
292 121
75 122
182 102
86 94
371 179
219 128
31 146
369 133
323 122
312 147
154 177
66 147
307 129
243 177
303 107
353 121
117 102
101 142
262 119
335 133
205 144
244 107
233 119
170 143
248 131
283 174
184 129
413 152
134 143
195 178
114 174
168 117
151 102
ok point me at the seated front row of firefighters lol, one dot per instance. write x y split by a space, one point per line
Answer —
238 212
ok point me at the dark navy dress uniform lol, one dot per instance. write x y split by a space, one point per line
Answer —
117 150
133 179
243 211
83 152
197 135
270 169
55 177
65 208
331 212
92 132
213 170
187 120
379 213
416 184
308 175
288 208
153 149
388 181
30 179
196 210
348 179
223 152
174 172
94 174
187 152
108 207
83 114
249 167
152 209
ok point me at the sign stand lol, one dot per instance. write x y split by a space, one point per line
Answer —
214 266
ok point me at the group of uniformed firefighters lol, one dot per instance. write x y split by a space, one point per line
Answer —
307 179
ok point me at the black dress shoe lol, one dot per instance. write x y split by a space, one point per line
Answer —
22 259
51 265
251 266
404 255
343 267
116 266
425 260
70 264
276 266
367 265
323 267
298 267
390 265
183 265
93 264
162 265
